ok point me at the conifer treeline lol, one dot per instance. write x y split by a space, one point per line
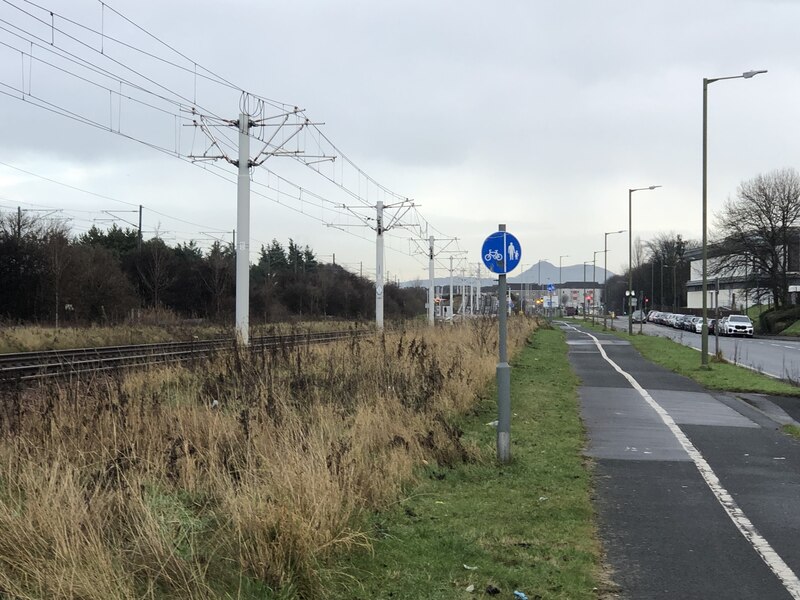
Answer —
101 275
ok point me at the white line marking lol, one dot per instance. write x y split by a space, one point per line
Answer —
772 559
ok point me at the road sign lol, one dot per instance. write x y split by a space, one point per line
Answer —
501 252
551 287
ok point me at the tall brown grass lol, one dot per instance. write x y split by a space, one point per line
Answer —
241 476
28 338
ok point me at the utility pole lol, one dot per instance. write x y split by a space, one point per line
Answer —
379 265
139 235
243 227
463 296
452 312
431 276
480 289
243 164
431 252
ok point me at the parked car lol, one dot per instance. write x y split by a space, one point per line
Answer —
638 316
696 325
736 325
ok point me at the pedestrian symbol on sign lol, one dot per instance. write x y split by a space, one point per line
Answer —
513 253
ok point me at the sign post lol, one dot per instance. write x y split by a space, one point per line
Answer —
501 253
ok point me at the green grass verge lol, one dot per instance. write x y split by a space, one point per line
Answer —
792 331
686 361
526 526
792 430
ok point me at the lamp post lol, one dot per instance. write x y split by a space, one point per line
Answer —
594 282
605 268
541 291
586 262
560 282
704 334
630 254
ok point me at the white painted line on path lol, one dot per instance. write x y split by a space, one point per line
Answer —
772 559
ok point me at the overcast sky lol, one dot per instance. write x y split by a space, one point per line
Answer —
539 115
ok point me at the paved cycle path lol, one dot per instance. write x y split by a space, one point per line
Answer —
697 493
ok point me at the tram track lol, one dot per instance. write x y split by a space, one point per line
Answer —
32 366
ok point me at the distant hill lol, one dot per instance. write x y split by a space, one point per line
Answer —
549 274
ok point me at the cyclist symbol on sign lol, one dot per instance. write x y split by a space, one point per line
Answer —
513 253
494 255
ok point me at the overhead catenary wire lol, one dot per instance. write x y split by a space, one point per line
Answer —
188 102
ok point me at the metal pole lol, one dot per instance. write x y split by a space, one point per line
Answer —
431 277
452 312
503 374
594 280
139 235
243 227
706 81
641 309
704 331
630 266
463 296
661 293
480 290
560 283
605 279
473 298
379 268
652 281
716 329
586 262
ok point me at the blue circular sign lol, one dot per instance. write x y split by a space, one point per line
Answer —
501 252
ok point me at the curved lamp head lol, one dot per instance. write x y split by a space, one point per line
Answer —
749 74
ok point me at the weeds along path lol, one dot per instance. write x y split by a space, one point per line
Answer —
240 476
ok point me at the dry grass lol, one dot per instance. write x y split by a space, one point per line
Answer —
28 338
241 477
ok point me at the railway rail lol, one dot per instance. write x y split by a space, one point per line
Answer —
29 366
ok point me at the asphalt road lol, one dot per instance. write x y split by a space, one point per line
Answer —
773 356
696 492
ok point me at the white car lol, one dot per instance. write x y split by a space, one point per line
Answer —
737 325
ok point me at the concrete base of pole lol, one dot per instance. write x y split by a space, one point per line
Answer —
503 412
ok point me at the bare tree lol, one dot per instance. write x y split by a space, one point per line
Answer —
218 274
155 269
756 230
58 259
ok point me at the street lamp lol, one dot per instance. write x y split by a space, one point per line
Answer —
541 291
594 282
605 269
560 281
586 262
630 255
706 81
